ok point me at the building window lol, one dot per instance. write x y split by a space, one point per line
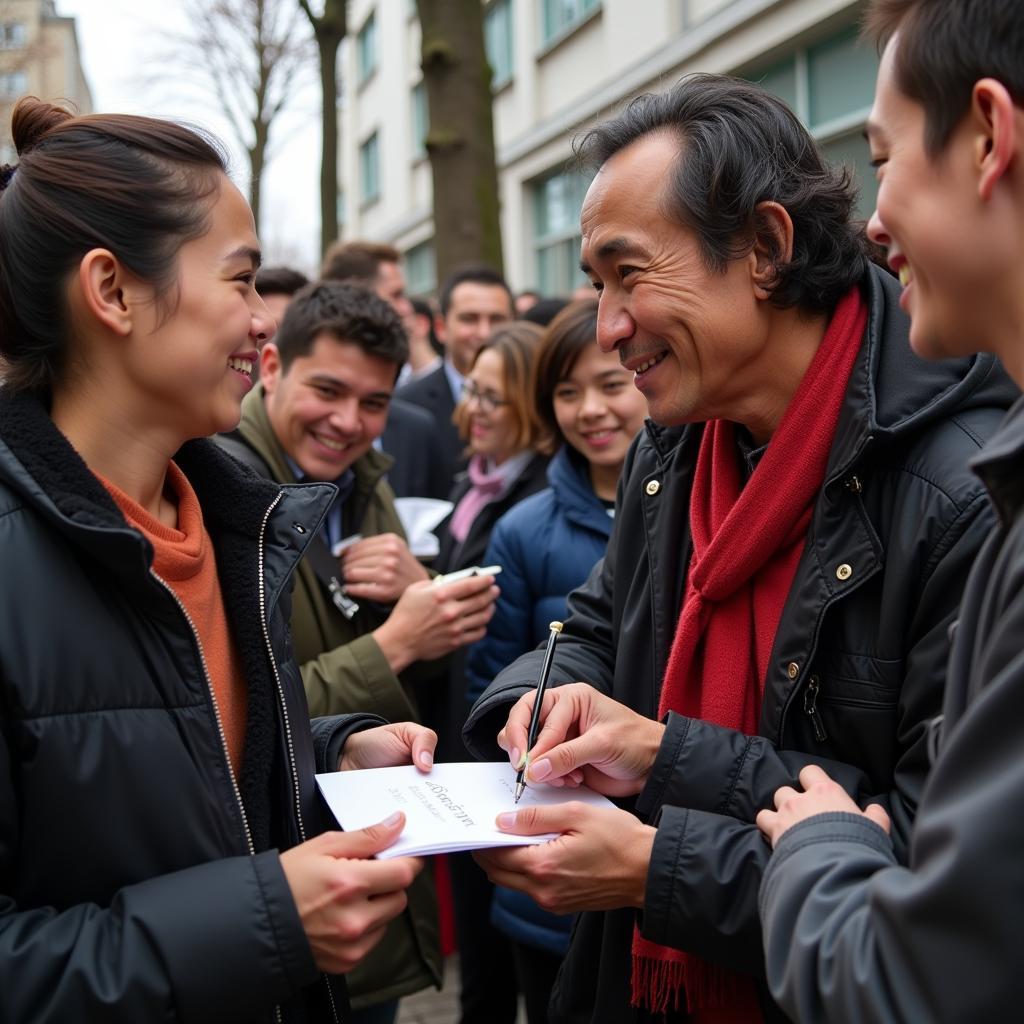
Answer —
12 35
830 86
366 49
498 42
420 269
557 201
558 16
420 121
13 84
369 169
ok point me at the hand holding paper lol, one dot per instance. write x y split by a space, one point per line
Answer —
344 897
390 745
599 861
453 808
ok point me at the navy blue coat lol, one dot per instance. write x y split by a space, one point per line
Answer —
546 547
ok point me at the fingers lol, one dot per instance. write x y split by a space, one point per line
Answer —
768 823
566 759
878 815
363 843
513 736
813 775
535 821
460 590
554 755
783 795
423 744
380 545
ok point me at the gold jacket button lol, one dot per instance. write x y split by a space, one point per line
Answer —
792 670
844 572
653 486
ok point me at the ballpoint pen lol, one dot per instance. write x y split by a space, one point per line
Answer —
531 735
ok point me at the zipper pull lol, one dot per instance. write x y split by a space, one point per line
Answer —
811 708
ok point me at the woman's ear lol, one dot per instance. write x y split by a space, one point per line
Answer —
773 246
101 282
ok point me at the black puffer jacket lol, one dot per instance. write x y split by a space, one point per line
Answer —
857 667
137 882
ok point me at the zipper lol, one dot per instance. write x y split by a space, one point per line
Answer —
216 710
277 676
811 707
284 713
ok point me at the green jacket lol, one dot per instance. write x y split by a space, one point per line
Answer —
344 671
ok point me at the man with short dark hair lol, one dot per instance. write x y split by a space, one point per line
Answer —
792 533
850 933
360 620
474 299
419 469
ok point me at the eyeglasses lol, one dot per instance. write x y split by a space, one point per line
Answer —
488 400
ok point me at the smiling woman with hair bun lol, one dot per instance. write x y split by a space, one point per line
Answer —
162 855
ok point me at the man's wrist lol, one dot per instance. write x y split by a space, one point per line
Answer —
654 736
393 646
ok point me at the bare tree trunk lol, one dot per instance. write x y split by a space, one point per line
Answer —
329 29
460 141
257 161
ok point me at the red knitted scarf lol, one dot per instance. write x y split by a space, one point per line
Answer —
747 542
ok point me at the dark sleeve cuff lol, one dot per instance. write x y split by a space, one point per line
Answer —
659 896
331 734
652 796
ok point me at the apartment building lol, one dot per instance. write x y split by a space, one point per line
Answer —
38 57
559 65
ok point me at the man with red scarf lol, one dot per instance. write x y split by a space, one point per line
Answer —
792 534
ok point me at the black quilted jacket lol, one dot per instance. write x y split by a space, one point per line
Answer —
138 881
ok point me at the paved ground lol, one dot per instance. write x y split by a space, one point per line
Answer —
433 1007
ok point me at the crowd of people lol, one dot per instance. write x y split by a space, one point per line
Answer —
769 481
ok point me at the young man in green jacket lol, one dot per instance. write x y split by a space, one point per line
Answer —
361 620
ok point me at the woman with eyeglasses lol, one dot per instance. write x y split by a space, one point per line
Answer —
547 546
504 443
505 465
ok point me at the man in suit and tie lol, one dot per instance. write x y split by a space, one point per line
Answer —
474 300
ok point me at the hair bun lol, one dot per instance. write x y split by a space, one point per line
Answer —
32 120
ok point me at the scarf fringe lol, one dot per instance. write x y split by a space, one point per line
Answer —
663 985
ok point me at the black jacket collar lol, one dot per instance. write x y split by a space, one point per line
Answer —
1001 465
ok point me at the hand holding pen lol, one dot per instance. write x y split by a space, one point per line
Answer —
542 682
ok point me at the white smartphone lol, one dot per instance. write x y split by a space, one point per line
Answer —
474 570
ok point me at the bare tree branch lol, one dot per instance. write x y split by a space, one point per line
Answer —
250 57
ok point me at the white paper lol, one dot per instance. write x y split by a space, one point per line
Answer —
344 543
450 809
420 516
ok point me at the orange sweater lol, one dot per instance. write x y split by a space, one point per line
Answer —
184 559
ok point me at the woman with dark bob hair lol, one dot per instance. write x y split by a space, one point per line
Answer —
162 855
